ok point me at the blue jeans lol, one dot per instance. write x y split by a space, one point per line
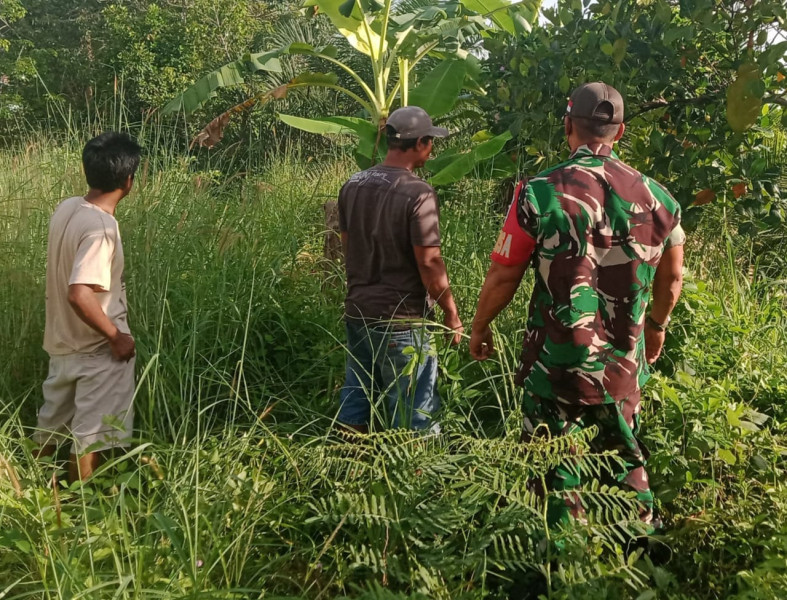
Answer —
391 373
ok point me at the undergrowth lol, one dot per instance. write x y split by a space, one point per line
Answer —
238 486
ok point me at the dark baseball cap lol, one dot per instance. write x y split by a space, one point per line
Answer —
596 101
412 122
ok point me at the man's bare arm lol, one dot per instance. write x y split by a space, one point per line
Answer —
434 276
500 285
667 285
82 299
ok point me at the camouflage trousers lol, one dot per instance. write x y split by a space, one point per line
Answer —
618 425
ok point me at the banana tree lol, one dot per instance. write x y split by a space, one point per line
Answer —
395 37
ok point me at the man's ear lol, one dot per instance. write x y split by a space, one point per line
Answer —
567 125
619 134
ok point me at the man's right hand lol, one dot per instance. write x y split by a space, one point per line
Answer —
481 344
122 346
654 342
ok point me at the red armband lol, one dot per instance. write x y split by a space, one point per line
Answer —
514 246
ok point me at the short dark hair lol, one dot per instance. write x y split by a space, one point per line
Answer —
590 128
109 160
395 143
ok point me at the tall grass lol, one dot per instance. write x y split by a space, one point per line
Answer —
238 487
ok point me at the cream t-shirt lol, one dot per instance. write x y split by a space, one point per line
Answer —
84 248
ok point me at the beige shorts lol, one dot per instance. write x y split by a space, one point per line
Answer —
88 398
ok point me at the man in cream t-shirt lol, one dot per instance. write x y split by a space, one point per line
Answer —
90 387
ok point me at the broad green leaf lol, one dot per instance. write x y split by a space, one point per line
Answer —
498 167
346 8
330 125
319 126
438 91
663 12
496 10
263 61
744 101
369 144
300 48
464 163
365 131
233 73
443 159
619 50
521 24
773 54
474 75
430 13
564 84
355 26
727 456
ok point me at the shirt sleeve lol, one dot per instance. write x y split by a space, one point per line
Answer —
677 237
425 220
514 245
93 261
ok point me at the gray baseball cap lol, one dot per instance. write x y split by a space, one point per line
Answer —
596 101
411 122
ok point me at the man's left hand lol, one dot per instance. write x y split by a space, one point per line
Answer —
654 342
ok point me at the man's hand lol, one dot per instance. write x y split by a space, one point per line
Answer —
122 346
455 328
481 344
498 290
82 299
654 342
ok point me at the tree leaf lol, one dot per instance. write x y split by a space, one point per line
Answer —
744 100
706 196
438 91
521 24
364 130
464 163
619 50
330 125
496 10
726 456
354 26
299 48
234 73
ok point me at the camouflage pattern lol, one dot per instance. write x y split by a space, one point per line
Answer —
600 229
618 425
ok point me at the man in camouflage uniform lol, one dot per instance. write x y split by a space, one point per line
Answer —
603 239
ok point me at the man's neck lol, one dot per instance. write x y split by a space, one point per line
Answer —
575 144
596 148
401 160
106 201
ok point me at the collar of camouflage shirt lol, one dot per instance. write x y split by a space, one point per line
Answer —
598 149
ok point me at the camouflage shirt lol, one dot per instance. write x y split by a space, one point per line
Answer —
599 228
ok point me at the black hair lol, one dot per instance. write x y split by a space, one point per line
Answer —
599 130
109 160
395 143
